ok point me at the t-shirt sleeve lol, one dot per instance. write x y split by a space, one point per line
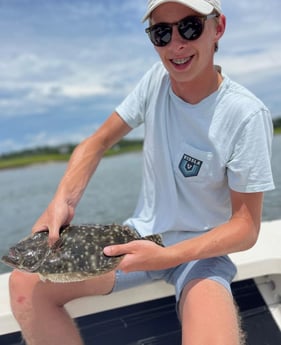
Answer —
249 169
132 109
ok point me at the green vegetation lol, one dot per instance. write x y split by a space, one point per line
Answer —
60 153
277 125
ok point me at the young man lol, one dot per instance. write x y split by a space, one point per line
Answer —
206 165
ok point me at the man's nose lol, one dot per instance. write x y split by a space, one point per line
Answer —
177 41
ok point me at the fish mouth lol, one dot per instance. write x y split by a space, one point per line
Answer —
12 258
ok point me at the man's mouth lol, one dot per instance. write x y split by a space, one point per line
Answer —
182 61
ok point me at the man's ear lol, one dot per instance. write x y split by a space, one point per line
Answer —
220 27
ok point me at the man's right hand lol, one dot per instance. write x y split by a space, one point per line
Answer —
57 214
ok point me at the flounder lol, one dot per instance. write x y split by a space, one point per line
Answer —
76 256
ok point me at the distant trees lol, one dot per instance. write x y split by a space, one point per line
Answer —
44 150
66 149
277 123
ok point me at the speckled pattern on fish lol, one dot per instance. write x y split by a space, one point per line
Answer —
76 256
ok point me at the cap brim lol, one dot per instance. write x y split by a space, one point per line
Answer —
199 6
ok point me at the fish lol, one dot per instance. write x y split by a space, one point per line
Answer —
76 256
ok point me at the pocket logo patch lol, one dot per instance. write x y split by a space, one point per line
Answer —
190 166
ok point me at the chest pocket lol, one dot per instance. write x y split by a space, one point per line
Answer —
193 165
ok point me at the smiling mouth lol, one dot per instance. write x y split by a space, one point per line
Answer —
182 61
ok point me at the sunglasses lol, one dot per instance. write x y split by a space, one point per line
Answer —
190 28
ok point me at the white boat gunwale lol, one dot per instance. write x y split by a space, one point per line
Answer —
261 263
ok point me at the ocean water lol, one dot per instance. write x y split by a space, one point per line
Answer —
110 197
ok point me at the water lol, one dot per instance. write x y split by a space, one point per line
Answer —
272 199
24 193
110 197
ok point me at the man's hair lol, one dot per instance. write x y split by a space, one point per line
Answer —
216 19
216 46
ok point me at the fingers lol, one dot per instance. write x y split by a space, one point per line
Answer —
140 255
133 247
54 234
40 225
52 228
54 217
117 249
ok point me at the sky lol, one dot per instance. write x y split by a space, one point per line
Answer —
66 64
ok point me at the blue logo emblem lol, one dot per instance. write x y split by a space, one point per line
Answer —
190 166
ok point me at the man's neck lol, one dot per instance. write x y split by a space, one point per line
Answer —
195 91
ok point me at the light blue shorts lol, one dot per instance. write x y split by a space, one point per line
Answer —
220 269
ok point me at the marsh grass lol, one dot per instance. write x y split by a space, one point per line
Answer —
30 157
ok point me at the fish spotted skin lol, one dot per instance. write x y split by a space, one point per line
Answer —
76 256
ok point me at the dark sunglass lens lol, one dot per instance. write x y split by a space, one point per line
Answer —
160 35
191 28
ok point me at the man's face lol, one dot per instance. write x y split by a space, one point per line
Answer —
187 61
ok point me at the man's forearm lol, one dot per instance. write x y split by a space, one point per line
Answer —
81 167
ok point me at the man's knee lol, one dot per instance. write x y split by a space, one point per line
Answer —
20 285
20 282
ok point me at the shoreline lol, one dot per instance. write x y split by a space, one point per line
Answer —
25 160
21 161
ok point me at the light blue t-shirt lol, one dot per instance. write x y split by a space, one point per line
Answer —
193 154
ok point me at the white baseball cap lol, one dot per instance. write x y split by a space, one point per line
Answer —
202 6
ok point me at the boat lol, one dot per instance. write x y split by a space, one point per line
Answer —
146 315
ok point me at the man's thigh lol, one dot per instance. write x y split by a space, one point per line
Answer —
29 286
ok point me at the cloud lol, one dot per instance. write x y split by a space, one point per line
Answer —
45 138
55 138
69 63
68 51
34 84
250 50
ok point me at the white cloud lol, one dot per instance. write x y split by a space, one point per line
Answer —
31 83
252 63
65 54
250 50
45 138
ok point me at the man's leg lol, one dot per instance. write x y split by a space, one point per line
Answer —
38 306
208 315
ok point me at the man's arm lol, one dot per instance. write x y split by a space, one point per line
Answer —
81 166
238 234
